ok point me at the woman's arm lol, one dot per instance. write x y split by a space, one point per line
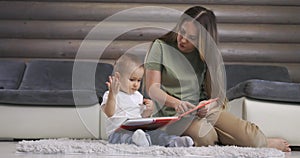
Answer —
153 84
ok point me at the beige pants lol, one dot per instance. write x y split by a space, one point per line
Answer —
223 127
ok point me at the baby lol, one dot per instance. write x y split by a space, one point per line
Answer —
123 100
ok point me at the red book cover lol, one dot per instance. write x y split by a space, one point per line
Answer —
153 123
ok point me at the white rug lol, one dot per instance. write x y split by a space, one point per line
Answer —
74 146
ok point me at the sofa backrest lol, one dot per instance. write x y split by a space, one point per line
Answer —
58 75
11 73
238 73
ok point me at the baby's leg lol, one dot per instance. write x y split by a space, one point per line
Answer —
140 138
159 137
121 137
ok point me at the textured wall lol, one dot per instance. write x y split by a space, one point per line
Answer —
251 32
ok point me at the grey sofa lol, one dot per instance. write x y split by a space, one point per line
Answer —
45 99
266 96
38 99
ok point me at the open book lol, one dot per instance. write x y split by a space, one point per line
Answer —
153 123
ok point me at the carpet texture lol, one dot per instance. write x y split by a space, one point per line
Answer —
87 146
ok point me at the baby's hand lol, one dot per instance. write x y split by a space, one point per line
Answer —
149 104
113 84
149 108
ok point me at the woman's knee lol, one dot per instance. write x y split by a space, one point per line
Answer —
203 133
209 138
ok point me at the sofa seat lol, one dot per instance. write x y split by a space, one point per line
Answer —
274 118
48 100
265 95
47 97
18 121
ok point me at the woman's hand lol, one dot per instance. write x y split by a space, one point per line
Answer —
148 109
201 113
183 107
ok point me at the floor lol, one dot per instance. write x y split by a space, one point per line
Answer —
7 150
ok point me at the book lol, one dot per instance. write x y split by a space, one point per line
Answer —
153 123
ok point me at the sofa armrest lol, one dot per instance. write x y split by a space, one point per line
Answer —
266 90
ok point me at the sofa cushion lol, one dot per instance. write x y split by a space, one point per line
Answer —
266 90
48 75
50 83
11 73
48 97
236 73
57 75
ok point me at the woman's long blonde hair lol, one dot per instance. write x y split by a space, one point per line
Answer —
205 20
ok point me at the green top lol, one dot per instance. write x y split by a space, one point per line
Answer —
182 74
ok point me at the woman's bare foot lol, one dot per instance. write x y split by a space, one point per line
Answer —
279 144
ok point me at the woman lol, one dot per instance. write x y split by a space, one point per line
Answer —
183 68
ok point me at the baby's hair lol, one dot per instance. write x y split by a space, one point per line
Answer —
127 63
